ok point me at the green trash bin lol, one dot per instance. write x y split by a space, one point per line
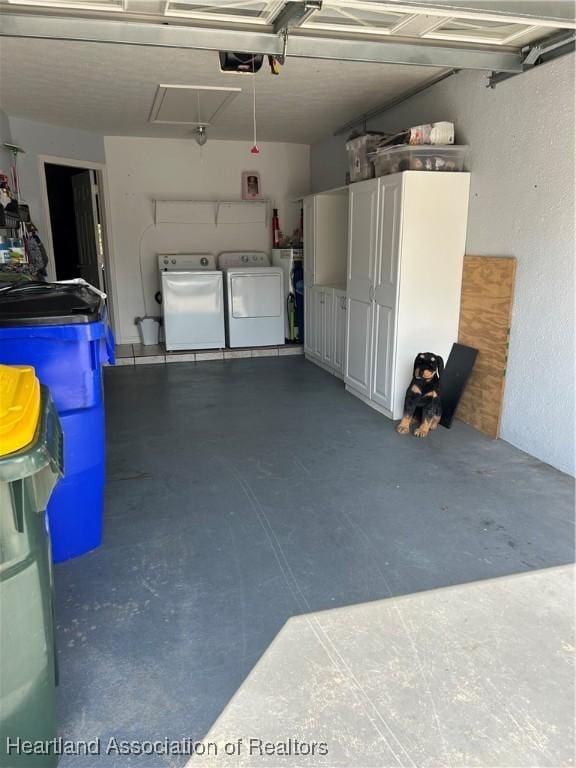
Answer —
28 673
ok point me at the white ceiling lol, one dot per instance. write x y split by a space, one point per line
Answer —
110 89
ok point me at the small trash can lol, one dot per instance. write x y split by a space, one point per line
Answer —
31 462
298 282
62 331
149 329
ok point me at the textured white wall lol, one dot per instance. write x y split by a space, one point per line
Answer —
5 135
521 137
141 170
44 139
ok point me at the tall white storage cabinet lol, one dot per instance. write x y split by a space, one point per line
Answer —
325 258
309 207
407 235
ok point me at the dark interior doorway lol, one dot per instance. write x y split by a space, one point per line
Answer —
75 220
62 219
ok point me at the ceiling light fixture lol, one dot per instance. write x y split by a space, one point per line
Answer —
201 135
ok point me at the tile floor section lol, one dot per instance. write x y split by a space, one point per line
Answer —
138 354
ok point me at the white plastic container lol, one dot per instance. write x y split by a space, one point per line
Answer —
442 133
359 163
149 329
419 158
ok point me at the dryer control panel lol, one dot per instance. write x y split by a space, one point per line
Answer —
186 262
232 259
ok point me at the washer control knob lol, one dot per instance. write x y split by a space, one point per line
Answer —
245 258
173 261
204 261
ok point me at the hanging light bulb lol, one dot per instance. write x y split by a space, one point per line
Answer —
201 135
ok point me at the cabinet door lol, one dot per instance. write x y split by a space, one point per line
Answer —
318 322
362 234
309 225
385 292
339 331
328 328
308 317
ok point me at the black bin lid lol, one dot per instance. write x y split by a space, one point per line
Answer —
37 303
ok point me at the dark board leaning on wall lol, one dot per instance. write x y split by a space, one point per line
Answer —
454 379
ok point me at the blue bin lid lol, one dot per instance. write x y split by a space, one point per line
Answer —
37 303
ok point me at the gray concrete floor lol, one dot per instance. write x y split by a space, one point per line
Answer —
479 674
242 493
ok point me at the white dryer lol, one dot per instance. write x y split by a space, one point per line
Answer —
192 300
254 299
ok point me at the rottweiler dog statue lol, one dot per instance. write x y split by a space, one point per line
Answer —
423 395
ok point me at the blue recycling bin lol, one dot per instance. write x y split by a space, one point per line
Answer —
63 331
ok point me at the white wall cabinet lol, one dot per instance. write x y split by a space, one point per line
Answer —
325 259
318 319
327 329
363 230
326 237
340 315
309 210
309 206
406 241
327 326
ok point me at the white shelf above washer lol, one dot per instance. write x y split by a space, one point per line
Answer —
212 212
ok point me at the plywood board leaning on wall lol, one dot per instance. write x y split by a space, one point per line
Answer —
485 316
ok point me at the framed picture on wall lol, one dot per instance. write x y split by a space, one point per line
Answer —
251 185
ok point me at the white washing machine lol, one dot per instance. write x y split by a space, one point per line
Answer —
192 300
254 299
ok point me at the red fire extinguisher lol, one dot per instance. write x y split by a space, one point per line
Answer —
275 229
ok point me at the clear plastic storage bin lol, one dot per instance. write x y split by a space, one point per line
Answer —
359 163
419 158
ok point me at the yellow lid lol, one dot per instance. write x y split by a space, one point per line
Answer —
19 407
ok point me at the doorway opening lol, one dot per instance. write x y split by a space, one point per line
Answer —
75 212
